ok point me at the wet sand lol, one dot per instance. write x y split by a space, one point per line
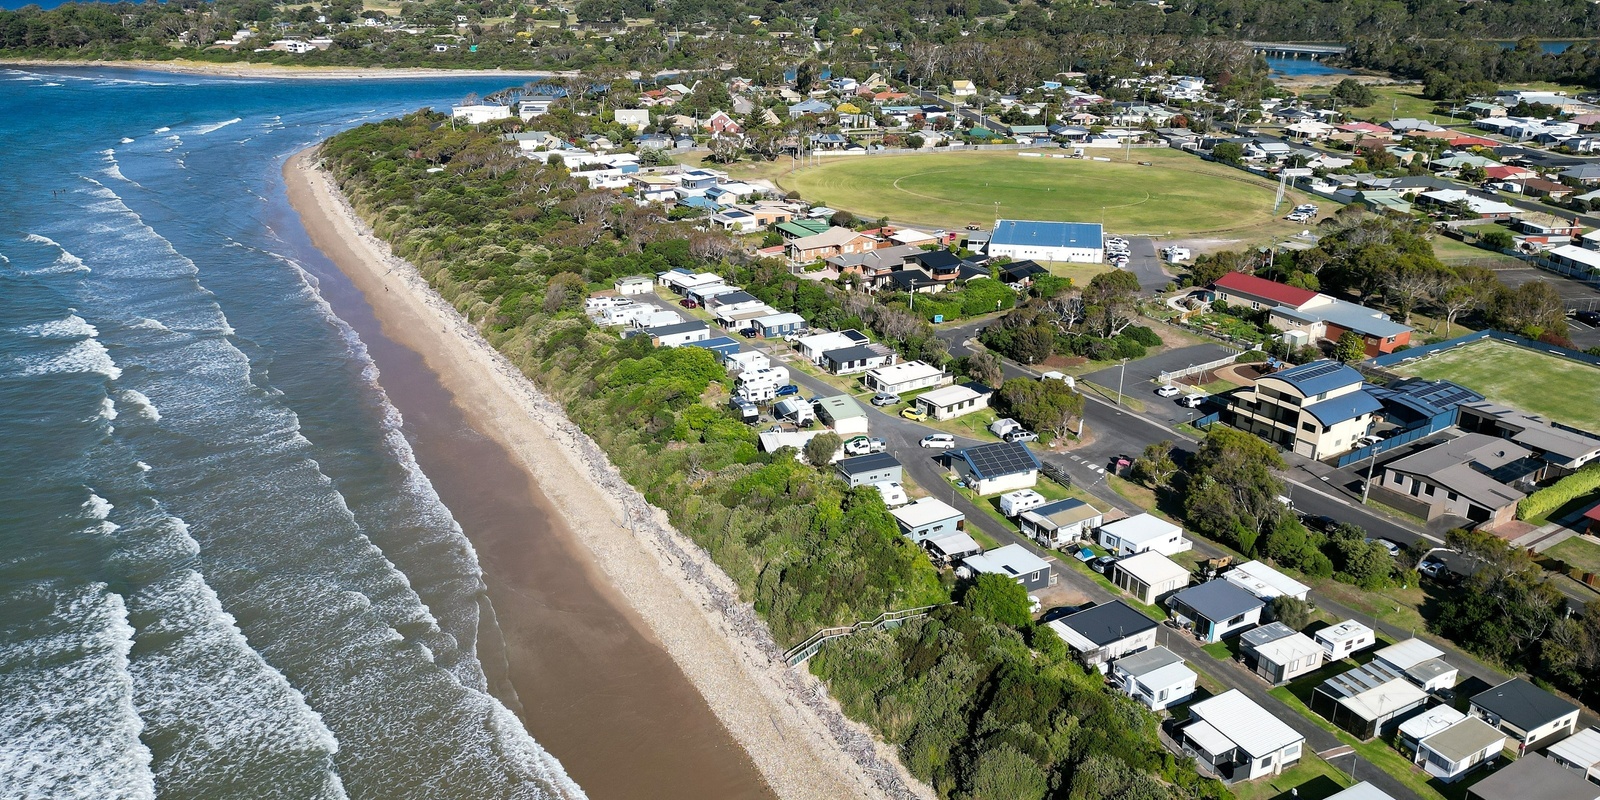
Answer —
249 70
633 660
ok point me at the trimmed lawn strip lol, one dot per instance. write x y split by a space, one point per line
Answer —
1580 553
1311 778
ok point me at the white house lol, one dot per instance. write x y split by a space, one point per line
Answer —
1279 653
1149 576
1143 532
995 468
1421 663
1265 582
1013 561
928 517
634 284
679 334
635 118
1453 752
1080 242
961 88
1362 791
1408 737
1240 739
1216 609
812 347
950 402
1368 701
1526 713
1106 632
842 414
479 114
905 377
1345 639
1157 678
1055 524
1580 751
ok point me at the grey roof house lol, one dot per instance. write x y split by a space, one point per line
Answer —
1106 632
864 470
1526 713
1216 609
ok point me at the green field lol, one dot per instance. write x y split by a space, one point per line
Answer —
1557 388
1179 193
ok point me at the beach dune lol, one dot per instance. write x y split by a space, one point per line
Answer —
792 732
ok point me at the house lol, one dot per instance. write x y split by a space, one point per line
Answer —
635 284
1534 778
1216 609
635 118
677 335
1408 737
1020 273
480 113
1279 653
1055 524
1421 663
1317 410
994 468
723 347
832 242
1143 532
1013 561
805 107
1080 242
843 415
1368 701
1561 448
1344 640
1316 315
1265 582
1544 228
906 377
1157 678
720 124
812 347
1579 262
869 469
1106 632
1453 752
1477 477
534 105
1476 206
772 326
1149 576
961 88
1362 791
1526 713
1580 751
950 402
1239 739
928 517
948 548
747 361
857 358
1586 174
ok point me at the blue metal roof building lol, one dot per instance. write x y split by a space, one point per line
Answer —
1318 377
1048 241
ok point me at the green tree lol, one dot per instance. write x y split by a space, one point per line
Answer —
998 598
1230 153
1049 408
1155 467
1352 92
1291 611
1232 492
1350 347
820 450
984 367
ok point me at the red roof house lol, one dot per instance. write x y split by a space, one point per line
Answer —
1238 289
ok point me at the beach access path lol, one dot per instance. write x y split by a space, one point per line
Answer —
793 732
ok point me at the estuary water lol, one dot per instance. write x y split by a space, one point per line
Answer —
222 572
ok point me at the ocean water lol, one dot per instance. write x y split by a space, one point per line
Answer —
222 573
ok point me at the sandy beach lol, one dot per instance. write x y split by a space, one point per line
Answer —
247 70
793 733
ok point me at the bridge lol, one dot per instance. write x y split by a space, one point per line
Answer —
1293 50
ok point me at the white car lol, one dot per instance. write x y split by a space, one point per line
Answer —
1168 391
939 441
1191 400
1393 548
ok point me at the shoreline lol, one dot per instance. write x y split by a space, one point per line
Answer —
792 732
244 69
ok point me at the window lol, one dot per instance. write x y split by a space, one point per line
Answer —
1452 496
1235 620
1308 427
1429 490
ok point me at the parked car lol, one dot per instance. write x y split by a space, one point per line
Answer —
973 227
1102 564
861 445
785 391
915 414
1320 522
1393 548
938 441
1021 436
748 333
885 399
1432 569
1191 400
1365 441
1168 391
1591 318
687 303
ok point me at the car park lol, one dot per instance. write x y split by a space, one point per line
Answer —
914 414
885 399
1021 436
938 441
1168 391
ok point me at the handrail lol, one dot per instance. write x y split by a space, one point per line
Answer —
798 654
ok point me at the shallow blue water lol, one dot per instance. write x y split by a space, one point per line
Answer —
221 572
1294 67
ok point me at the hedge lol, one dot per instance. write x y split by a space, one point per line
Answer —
1560 493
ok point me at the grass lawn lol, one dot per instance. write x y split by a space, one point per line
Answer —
1377 751
1079 273
1558 388
1395 606
1393 102
1178 194
1580 553
1314 778
1455 251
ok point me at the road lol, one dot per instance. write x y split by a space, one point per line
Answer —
1145 264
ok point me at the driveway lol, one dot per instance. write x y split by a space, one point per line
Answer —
1145 264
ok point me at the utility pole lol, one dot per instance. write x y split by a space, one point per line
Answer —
1124 374
1372 461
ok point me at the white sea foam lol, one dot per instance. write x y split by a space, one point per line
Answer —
68 727
84 356
146 323
98 507
215 126
140 404
108 409
143 467
70 327
126 140
162 130
114 169
65 261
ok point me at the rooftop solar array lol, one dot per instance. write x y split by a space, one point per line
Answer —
1001 458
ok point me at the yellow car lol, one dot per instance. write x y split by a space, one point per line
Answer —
915 413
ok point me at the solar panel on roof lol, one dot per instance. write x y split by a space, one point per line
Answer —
1003 458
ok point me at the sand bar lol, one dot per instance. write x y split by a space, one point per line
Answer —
252 70
792 732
